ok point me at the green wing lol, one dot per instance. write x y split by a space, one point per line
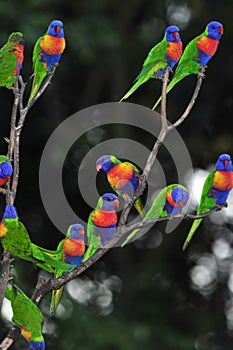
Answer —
3 159
93 240
205 205
8 63
25 312
39 70
186 65
155 61
154 212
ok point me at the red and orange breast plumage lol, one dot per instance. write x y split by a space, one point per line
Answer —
73 247
52 45
174 50
104 218
18 51
120 174
223 180
207 45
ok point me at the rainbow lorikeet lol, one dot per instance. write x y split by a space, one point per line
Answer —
5 171
47 52
71 251
165 54
197 54
11 59
27 316
215 190
101 224
15 239
123 177
169 201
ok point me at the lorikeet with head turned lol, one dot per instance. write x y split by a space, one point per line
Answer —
101 223
215 190
71 251
27 316
15 239
123 177
197 54
5 171
169 201
165 54
47 52
11 59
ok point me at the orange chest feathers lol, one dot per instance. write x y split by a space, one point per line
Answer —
223 180
52 45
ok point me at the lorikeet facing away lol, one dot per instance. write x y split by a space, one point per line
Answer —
11 59
27 316
197 54
169 201
15 239
47 52
215 191
164 54
123 177
101 223
71 251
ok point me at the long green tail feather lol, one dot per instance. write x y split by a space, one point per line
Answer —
195 225
55 300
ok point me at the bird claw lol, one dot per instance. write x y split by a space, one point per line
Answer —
16 91
4 191
170 69
201 75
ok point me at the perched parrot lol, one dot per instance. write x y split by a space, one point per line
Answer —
5 171
123 177
11 59
47 52
169 201
197 54
166 53
71 251
215 190
15 239
101 223
27 316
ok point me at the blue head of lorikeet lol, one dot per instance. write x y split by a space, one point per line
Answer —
215 30
56 29
224 163
172 34
5 170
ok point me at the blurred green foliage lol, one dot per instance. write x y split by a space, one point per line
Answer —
157 306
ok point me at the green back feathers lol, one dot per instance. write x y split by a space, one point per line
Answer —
25 313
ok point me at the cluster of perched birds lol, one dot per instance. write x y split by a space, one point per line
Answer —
47 53
123 177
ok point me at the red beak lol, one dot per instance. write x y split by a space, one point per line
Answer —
116 203
175 35
225 163
81 232
220 30
98 167
57 29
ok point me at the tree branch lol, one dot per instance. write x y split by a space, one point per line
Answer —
192 101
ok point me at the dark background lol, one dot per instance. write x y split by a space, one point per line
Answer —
150 294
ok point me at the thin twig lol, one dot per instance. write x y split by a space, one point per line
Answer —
192 101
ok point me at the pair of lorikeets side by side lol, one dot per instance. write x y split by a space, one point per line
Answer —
124 178
47 52
168 52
